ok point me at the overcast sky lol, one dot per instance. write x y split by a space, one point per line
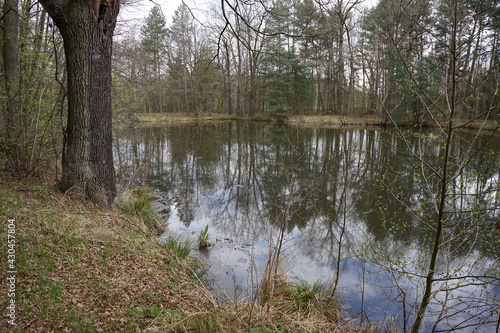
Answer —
139 9
134 12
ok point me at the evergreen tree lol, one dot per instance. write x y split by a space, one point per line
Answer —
288 87
394 38
154 34
181 62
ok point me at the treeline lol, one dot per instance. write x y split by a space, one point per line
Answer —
398 60
314 57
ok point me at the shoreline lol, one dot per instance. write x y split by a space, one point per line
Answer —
334 121
81 267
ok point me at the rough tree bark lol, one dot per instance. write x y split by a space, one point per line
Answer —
87 28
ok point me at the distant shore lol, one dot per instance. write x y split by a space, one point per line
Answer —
305 120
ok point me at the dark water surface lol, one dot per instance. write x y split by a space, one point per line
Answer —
353 203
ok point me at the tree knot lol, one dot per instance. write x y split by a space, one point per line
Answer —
100 7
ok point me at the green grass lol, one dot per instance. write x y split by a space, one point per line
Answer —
49 287
181 249
73 241
145 312
78 322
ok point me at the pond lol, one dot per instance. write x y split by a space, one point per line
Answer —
353 209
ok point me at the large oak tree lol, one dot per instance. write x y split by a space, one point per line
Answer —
87 28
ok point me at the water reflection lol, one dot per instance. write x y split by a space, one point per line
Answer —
355 205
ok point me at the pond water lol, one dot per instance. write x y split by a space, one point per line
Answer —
356 206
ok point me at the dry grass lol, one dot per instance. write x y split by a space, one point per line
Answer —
166 118
331 121
335 121
373 121
82 268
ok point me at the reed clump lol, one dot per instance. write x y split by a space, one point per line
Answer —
204 239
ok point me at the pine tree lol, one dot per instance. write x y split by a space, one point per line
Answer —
154 34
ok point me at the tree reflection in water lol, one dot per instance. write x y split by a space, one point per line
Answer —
357 210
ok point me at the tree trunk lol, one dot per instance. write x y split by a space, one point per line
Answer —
87 28
229 93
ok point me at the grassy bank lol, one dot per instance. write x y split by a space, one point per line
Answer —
334 121
168 118
304 120
82 268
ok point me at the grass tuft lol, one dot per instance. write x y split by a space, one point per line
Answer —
181 249
205 322
307 299
138 202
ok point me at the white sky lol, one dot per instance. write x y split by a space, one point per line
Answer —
134 12
139 9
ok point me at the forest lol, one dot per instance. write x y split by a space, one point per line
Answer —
397 60
306 57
